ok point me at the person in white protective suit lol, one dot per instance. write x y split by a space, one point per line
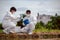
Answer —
29 21
9 22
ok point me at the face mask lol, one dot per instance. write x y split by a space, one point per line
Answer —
28 15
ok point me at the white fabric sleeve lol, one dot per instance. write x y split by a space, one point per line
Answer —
13 17
34 20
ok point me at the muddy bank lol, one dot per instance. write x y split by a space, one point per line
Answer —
18 36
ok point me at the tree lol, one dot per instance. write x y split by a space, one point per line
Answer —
1 26
39 25
56 14
55 23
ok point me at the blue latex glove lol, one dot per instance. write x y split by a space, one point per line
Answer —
26 21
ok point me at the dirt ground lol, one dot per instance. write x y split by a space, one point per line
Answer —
34 36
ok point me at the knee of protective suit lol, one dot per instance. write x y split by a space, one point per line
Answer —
31 26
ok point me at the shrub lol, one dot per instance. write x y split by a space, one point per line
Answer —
54 24
39 25
1 26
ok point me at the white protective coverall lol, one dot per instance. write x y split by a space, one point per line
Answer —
31 26
9 23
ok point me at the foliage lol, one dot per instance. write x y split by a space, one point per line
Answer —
20 23
39 25
1 26
54 24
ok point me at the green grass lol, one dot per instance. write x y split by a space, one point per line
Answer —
40 30
1 31
46 30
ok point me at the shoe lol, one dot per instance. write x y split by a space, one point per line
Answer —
5 31
23 30
12 32
30 33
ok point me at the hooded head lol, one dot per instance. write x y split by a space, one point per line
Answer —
12 10
28 12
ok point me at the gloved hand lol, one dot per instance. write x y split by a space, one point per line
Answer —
26 21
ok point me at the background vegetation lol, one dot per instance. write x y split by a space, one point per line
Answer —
54 24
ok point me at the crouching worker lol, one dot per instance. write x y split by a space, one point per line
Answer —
29 22
9 22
